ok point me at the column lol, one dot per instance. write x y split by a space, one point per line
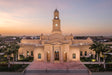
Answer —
52 54
61 55
45 56
68 53
68 56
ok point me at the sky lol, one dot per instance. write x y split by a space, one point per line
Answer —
33 17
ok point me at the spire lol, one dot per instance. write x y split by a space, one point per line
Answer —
56 10
56 14
56 22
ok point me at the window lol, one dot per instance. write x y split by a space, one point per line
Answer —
85 53
31 53
39 56
80 53
27 53
74 55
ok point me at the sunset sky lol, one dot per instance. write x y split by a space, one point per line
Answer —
32 17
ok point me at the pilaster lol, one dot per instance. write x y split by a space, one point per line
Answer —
61 55
45 56
52 54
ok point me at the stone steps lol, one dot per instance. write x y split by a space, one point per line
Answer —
55 74
42 68
56 71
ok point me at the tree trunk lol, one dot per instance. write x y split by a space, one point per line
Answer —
97 57
16 57
13 60
104 62
9 62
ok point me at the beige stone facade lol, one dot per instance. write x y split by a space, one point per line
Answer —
56 46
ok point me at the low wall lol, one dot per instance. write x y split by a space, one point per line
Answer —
21 73
11 73
102 73
93 62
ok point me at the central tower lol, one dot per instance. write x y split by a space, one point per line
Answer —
56 22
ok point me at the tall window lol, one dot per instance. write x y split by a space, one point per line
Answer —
27 53
85 53
31 53
39 56
80 53
74 55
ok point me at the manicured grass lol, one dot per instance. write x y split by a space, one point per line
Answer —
13 68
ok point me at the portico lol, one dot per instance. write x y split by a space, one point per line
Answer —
56 54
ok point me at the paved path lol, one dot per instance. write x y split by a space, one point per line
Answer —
81 62
68 68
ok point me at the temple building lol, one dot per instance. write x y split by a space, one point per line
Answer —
56 47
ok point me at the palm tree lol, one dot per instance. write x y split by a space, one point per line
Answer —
13 52
99 47
16 51
8 57
95 47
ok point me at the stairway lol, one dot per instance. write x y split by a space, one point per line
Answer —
42 68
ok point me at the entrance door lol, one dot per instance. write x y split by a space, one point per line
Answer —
56 55
65 57
48 57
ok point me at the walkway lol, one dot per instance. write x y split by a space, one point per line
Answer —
81 62
42 68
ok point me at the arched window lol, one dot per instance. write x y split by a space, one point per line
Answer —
31 53
74 55
27 53
39 56
80 53
85 53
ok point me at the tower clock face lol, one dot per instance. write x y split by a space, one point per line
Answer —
56 25
56 17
